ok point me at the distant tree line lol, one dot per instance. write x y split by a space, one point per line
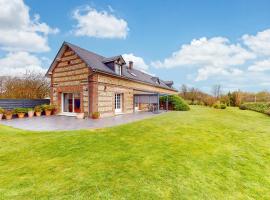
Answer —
28 86
235 98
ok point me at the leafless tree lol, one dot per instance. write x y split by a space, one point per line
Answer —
184 91
216 91
29 86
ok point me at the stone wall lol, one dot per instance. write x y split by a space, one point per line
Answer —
70 75
107 86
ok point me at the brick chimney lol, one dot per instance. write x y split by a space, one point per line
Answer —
130 65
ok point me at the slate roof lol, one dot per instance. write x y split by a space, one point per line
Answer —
97 62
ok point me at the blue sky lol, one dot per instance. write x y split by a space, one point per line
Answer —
198 43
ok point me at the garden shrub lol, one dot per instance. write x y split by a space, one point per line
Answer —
223 106
38 108
20 110
258 107
216 105
219 105
242 107
48 107
267 112
176 102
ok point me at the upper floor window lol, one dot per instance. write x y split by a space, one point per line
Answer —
118 69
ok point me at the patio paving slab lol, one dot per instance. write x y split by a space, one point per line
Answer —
57 123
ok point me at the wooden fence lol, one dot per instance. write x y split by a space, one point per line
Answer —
10 104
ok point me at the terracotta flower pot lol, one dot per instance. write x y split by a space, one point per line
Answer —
21 115
48 112
38 114
1 116
30 114
8 117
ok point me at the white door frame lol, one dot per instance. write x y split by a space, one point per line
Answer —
68 113
118 96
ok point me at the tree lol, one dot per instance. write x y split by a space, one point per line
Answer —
29 86
217 91
184 91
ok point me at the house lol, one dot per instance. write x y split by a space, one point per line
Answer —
85 82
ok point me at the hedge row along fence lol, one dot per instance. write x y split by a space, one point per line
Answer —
258 107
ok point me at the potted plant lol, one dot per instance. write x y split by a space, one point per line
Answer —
30 112
38 110
1 113
8 114
95 115
20 112
48 109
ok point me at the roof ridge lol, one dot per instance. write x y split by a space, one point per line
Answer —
70 44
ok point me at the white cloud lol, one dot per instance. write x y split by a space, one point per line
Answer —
206 72
138 62
260 66
19 32
16 64
215 52
212 57
259 43
101 24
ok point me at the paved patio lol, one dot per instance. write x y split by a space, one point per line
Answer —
56 123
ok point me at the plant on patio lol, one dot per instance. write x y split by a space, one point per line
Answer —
175 103
38 110
30 112
48 109
20 112
1 113
8 114
95 115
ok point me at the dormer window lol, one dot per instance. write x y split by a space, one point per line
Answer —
118 69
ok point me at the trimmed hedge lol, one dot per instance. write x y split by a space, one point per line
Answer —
258 107
176 102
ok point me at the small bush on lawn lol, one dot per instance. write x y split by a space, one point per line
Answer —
219 105
20 110
242 107
258 107
176 102
216 105
223 106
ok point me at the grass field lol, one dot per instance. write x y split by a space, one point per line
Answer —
201 154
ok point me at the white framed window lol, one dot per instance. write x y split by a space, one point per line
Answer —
118 69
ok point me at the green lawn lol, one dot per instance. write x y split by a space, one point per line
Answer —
201 154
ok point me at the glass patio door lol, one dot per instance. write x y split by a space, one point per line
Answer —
71 103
